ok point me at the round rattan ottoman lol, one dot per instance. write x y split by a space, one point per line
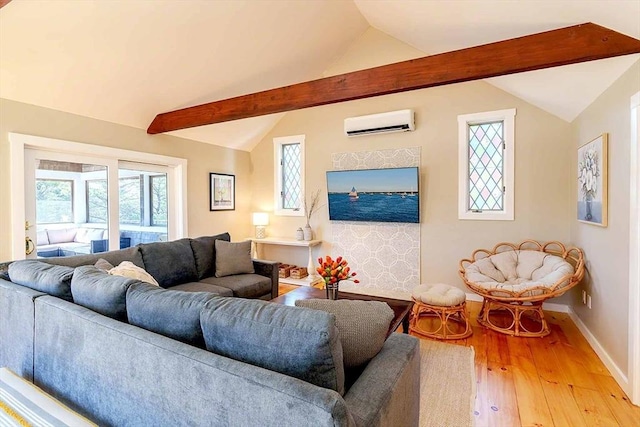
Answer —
444 302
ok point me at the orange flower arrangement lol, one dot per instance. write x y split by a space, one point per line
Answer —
333 272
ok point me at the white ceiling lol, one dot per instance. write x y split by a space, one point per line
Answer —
124 61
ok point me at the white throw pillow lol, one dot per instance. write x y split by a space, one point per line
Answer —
129 269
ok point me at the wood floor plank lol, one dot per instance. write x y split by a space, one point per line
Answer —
501 396
546 362
498 349
532 403
562 405
594 409
572 363
590 359
520 354
481 410
625 412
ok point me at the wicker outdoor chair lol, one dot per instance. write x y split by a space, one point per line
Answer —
515 279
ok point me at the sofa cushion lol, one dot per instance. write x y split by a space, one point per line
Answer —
204 251
203 287
294 341
170 263
42 238
98 291
52 279
363 326
175 314
86 235
132 271
243 285
62 235
114 257
103 264
233 258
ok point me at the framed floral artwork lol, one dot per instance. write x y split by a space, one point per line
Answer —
222 192
592 182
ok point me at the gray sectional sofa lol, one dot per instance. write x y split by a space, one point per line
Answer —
126 353
188 265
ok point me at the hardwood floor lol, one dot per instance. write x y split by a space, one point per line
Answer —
557 380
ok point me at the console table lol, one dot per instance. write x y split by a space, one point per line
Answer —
312 278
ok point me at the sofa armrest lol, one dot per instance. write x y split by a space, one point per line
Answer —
388 389
268 269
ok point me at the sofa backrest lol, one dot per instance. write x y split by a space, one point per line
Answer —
62 235
198 387
114 257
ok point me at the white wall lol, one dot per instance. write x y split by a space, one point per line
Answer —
607 249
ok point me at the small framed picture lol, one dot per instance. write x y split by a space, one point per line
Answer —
222 192
592 182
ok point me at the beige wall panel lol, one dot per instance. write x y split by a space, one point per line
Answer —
607 249
202 159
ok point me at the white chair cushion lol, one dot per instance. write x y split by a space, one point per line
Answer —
439 294
86 235
517 271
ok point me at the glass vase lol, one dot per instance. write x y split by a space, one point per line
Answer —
332 290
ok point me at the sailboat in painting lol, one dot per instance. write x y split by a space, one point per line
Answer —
353 194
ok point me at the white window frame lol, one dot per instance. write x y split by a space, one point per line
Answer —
508 179
19 143
278 169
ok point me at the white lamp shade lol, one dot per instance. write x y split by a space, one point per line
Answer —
260 218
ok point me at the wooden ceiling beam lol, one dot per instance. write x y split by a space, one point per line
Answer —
570 45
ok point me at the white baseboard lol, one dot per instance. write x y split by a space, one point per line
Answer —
615 371
548 306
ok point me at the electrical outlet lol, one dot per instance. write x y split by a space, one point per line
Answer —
589 301
584 297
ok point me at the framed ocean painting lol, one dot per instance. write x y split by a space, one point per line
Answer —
592 181
374 195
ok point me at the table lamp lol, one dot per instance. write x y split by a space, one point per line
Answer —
260 220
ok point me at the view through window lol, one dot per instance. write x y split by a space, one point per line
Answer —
72 207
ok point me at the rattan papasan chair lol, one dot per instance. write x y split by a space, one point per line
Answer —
515 279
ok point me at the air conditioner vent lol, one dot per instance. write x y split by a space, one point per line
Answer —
393 121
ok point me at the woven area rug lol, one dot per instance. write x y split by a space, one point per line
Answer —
447 385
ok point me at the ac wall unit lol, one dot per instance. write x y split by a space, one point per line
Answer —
393 121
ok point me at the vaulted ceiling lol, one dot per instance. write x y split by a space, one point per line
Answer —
126 61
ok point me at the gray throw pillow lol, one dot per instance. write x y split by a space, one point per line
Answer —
363 326
103 264
170 263
294 341
204 251
233 258
101 292
52 279
175 314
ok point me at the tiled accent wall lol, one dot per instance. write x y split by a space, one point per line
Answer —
386 256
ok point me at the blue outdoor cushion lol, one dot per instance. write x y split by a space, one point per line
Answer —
170 263
298 342
53 279
175 314
101 292
204 251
